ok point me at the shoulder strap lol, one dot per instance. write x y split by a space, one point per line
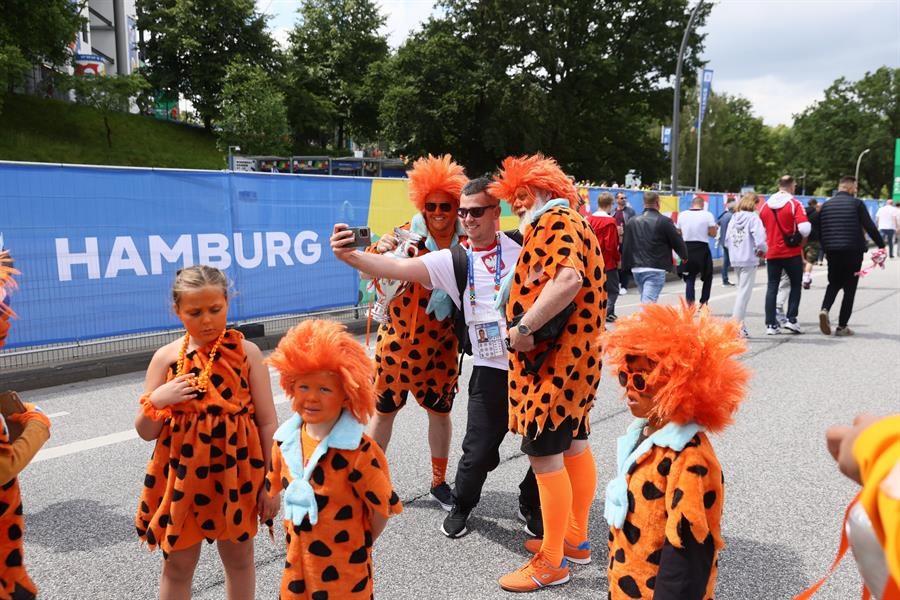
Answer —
460 270
515 235
778 223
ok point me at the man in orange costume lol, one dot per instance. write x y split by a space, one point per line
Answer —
416 353
557 300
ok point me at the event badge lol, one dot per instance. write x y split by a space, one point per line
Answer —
488 341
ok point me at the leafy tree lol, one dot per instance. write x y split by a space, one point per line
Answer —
34 32
333 47
253 112
189 44
106 93
828 136
576 79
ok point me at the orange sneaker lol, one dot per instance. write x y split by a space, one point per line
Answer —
579 555
534 575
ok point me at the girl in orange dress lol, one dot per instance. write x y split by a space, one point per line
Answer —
15 454
338 492
208 404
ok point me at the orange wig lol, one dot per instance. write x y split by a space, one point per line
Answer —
318 345
7 283
696 376
529 173
434 175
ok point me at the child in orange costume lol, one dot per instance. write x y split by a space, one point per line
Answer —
681 378
208 404
15 456
338 493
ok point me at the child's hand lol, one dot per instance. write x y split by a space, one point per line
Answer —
174 391
267 506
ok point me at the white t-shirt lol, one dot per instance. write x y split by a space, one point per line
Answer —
694 225
440 269
885 217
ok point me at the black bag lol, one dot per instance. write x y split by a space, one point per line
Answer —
794 239
552 328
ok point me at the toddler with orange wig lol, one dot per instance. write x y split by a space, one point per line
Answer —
664 507
337 488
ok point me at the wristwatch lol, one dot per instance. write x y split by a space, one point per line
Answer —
524 329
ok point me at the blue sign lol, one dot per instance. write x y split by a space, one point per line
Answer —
666 138
98 248
705 87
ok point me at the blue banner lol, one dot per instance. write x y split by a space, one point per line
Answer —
98 248
705 87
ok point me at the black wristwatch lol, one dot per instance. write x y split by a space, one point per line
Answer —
524 329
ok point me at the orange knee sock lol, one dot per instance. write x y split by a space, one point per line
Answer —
555 490
583 475
438 470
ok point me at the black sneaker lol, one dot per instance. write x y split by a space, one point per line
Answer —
455 524
443 495
533 519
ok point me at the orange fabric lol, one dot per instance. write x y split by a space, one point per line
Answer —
438 470
13 576
567 381
4 328
582 472
667 486
555 490
207 467
419 361
335 555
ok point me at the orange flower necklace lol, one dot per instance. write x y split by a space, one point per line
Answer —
198 383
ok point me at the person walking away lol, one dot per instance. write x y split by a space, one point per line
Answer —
812 248
746 243
843 219
624 213
886 219
723 221
697 226
786 226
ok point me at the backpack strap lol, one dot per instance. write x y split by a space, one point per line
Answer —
460 270
515 235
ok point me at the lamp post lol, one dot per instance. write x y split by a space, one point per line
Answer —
856 175
676 102
803 177
230 158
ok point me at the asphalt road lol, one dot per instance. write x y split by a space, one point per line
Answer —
783 508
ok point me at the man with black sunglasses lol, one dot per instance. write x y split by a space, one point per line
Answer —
491 255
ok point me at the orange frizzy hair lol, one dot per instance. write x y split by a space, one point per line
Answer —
697 374
432 175
318 345
534 172
7 283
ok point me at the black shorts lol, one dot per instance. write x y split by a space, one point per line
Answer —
555 441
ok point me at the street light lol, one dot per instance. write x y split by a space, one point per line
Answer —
856 175
230 159
676 103
803 177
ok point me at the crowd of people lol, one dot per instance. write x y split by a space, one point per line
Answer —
533 306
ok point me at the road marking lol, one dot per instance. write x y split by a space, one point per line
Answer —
57 414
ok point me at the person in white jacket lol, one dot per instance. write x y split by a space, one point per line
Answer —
746 243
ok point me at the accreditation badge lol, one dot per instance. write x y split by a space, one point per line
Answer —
488 341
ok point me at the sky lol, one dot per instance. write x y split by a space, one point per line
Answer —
779 54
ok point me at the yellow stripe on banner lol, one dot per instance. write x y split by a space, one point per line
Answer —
389 205
668 204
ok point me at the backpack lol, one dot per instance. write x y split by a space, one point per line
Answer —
461 273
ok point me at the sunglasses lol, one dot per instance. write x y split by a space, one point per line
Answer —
476 211
638 382
441 206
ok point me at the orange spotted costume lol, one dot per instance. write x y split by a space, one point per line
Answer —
417 351
207 467
665 504
15 456
332 487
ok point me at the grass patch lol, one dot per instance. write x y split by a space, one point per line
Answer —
40 130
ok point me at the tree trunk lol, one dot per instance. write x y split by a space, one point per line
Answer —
108 131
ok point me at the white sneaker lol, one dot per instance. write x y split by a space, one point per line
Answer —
623 291
792 327
773 330
780 317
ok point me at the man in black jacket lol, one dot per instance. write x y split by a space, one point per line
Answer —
647 248
841 223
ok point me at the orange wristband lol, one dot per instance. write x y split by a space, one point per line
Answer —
153 413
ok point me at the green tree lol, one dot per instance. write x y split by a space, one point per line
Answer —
34 32
333 47
106 93
189 43
828 136
253 112
576 79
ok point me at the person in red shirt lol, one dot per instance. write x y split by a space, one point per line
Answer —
784 218
607 232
